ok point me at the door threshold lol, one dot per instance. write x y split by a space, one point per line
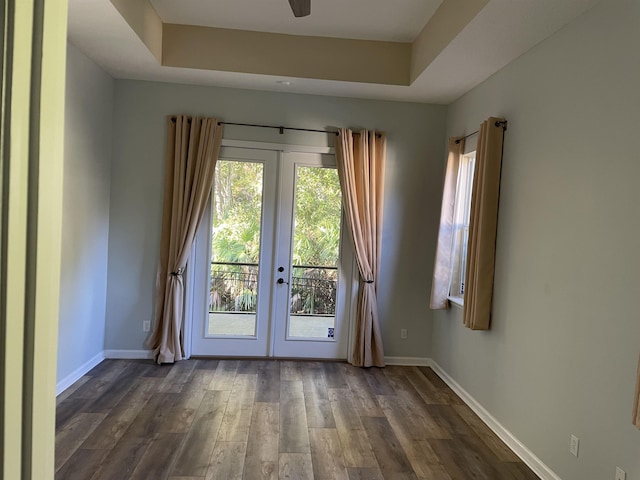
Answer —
295 359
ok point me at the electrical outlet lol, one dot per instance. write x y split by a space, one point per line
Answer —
620 474
574 445
146 325
403 333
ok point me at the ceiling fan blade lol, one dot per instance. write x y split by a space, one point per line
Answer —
301 8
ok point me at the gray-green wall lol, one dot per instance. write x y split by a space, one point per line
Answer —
415 134
561 355
85 221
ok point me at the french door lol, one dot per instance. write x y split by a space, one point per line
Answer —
273 270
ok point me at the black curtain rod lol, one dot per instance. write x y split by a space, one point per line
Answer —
498 124
282 129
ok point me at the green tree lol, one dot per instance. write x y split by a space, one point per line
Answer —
318 207
237 208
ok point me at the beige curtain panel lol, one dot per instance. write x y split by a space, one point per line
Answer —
361 161
193 144
444 249
483 225
636 405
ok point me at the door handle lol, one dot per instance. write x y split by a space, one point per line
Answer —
281 269
281 281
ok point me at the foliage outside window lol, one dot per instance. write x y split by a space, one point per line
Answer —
235 249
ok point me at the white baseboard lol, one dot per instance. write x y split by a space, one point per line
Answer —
408 361
526 455
78 373
129 354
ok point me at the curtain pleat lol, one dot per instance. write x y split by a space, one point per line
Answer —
483 225
193 144
361 162
636 404
444 249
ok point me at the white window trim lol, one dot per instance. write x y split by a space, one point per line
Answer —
456 301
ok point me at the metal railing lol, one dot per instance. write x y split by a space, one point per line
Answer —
233 288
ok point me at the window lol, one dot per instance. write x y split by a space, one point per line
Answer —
461 225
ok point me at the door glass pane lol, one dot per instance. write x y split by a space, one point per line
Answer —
235 248
316 240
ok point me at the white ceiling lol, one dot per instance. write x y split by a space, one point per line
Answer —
390 20
502 31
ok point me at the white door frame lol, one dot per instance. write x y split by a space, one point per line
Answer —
190 278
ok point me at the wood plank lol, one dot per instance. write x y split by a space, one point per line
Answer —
180 416
248 366
313 383
81 465
261 461
447 417
295 466
334 374
154 370
66 393
363 399
497 446
247 381
356 448
67 410
268 390
294 434
206 364
106 367
123 459
199 443
391 458
225 375
413 421
326 455
438 383
378 382
423 460
433 377
365 474
414 406
403 424
237 417
316 399
117 389
426 464
461 460
429 393
344 410
201 378
519 471
111 429
290 371
152 416
227 461
158 457
69 438
178 376
319 414
100 383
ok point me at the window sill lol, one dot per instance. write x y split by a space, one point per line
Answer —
456 301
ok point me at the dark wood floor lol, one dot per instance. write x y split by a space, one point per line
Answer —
250 419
